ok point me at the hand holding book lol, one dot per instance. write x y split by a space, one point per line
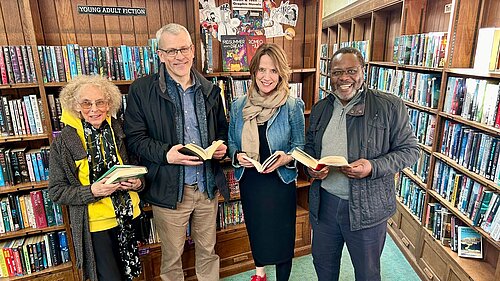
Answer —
274 161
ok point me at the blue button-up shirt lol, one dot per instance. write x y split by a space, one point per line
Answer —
192 174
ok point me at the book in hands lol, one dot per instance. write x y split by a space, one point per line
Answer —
200 152
309 161
119 173
266 164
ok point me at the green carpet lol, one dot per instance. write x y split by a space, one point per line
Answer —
394 267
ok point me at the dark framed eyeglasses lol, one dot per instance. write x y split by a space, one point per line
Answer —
87 104
337 72
173 52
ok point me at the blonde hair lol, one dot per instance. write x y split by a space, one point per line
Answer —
279 59
71 93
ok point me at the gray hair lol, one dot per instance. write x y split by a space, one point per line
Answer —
171 28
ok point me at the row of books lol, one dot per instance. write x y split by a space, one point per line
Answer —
62 63
420 88
26 255
476 151
323 67
23 116
469 196
427 49
230 213
232 183
423 125
410 194
32 210
362 46
20 165
324 82
473 99
323 51
421 167
17 65
452 232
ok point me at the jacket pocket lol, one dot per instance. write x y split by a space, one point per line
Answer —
377 130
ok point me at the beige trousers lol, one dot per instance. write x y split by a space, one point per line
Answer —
171 226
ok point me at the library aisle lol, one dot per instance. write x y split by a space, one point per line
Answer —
393 263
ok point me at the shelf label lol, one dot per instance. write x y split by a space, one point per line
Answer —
110 10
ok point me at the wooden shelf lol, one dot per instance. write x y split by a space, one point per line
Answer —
23 138
302 183
483 127
19 86
470 72
421 107
46 273
23 187
62 84
409 173
30 231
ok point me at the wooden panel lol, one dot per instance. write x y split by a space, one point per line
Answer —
436 20
112 24
83 32
37 22
153 18
310 31
3 34
166 13
344 32
297 51
127 25
361 29
463 29
12 23
431 260
409 232
49 23
96 28
140 25
59 276
379 40
414 14
491 13
65 21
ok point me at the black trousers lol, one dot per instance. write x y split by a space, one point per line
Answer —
333 230
107 255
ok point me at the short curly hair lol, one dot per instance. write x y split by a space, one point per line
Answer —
70 94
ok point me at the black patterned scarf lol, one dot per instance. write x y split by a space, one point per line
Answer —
101 155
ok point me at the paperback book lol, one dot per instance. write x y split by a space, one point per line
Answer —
266 164
119 173
234 56
309 161
200 152
470 243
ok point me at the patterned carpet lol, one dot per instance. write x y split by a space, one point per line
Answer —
394 267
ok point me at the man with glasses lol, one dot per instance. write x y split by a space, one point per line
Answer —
164 111
351 205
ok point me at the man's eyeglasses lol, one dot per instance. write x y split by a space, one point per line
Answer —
86 104
173 52
336 72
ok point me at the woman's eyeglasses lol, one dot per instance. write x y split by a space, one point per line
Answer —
86 104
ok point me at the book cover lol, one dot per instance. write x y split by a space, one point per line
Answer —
38 208
470 243
233 50
3 70
31 61
119 173
63 245
252 43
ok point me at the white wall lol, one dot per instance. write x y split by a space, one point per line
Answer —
331 6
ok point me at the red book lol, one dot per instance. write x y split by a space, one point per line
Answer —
38 208
252 44
3 70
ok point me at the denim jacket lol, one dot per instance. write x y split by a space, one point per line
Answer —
285 131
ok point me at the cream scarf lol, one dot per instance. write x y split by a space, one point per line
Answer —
258 109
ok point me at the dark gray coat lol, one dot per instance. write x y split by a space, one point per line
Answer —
65 188
378 130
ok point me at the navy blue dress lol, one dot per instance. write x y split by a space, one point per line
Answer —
269 207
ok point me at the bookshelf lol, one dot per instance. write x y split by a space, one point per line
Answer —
47 24
440 128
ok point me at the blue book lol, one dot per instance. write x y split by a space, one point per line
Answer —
63 245
32 154
72 62
146 60
125 59
40 166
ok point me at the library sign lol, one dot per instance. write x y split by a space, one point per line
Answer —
109 10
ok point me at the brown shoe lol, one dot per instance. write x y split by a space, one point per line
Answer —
258 278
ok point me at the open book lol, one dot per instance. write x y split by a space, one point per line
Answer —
266 164
200 152
306 159
119 173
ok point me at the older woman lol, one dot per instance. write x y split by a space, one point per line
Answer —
101 214
267 121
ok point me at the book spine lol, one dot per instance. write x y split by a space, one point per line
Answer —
3 70
42 64
36 113
38 208
8 65
31 61
20 64
27 69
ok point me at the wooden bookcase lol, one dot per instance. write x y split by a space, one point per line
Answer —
57 23
381 21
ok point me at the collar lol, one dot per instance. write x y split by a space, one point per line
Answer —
358 109
198 80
